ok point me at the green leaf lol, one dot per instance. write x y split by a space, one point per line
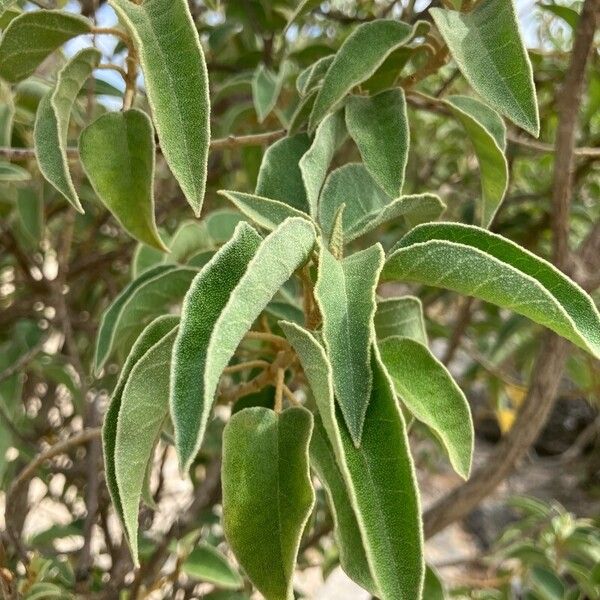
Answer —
345 293
7 114
363 51
568 15
6 4
279 177
206 563
433 588
52 123
547 584
144 407
381 485
32 37
346 530
430 393
308 79
10 172
267 493
478 263
487 47
145 298
379 126
265 90
176 83
144 258
316 160
264 212
224 300
402 316
488 135
30 207
124 177
153 333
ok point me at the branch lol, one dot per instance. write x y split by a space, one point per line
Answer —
231 141
552 356
538 146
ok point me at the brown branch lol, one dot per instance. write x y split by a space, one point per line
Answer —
526 142
553 352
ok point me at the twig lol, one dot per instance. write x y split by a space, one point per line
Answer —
231 141
22 360
279 390
263 336
538 146
250 364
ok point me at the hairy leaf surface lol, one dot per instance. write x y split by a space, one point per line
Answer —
32 36
10 172
345 293
401 316
124 177
478 263
267 493
363 51
379 126
279 177
381 484
220 307
315 162
144 407
264 212
176 82
145 298
430 393
488 135
52 122
153 333
487 47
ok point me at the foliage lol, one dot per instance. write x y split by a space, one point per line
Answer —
278 345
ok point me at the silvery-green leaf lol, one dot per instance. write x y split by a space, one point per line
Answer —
33 36
124 177
316 160
430 393
265 90
381 484
266 213
346 530
279 177
153 293
7 114
206 563
345 293
151 335
144 407
312 75
488 49
176 83
401 316
10 172
52 123
362 52
485 265
144 258
433 589
267 493
488 135
379 126
224 300
30 207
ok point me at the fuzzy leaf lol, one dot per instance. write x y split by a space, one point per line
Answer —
124 177
308 79
381 485
315 162
478 263
433 588
402 316
144 407
176 83
487 47
279 177
345 293
368 206
153 333
151 294
379 126
52 123
264 212
265 90
346 530
224 300
488 135
32 36
267 493
206 563
10 172
430 393
363 51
